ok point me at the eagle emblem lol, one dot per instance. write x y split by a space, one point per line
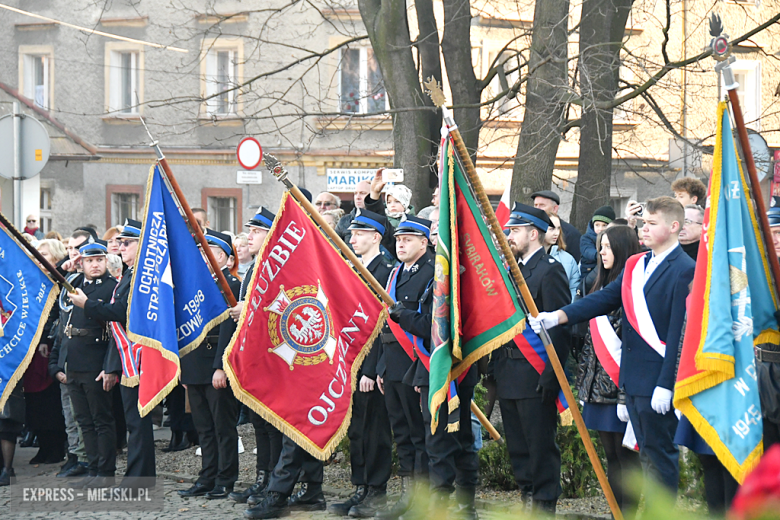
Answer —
300 328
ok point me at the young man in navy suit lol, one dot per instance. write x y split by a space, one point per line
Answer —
655 286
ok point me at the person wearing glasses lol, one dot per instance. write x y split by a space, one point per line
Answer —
31 227
691 231
327 201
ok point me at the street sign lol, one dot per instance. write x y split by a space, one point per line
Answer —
249 153
253 177
34 143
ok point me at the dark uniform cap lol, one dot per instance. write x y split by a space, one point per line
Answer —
221 240
96 248
414 226
773 215
131 229
263 219
524 215
368 220
547 194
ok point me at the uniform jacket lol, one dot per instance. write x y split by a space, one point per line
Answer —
380 268
198 366
410 289
641 368
117 311
88 353
549 287
570 266
572 236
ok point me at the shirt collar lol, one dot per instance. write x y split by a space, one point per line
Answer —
657 259
530 255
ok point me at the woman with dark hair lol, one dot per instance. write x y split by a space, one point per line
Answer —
597 386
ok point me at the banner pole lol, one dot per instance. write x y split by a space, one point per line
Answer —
36 254
221 280
527 300
281 175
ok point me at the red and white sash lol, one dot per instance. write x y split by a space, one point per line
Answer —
608 348
635 304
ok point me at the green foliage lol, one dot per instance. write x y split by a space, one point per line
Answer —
495 469
578 478
691 483
480 396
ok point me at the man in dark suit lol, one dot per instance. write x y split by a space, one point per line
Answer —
408 285
140 471
528 399
214 407
768 356
370 440
661 281
87 342
549 201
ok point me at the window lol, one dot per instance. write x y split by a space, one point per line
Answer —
222 208
625 112
361 87
36 72
748 75
124 94
221 79
122 202
45 211
508 73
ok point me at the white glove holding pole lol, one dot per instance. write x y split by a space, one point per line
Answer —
548 319
622 413
661 401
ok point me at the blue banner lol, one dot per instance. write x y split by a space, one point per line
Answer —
174 300
26 298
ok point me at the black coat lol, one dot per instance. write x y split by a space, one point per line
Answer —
88 353
198 366
516 378
593 383
572 237
380 267
410 289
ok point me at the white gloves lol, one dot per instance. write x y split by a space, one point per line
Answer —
548 319
661 400
622 413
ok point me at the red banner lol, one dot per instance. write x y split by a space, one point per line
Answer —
308 322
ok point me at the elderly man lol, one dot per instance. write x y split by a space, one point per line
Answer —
691 231
549 201
327 201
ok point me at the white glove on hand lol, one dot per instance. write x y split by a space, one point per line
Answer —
548 319
622 413
661 400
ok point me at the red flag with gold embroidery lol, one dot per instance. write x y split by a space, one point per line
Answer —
308 322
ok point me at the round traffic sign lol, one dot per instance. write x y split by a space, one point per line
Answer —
34 147
249 153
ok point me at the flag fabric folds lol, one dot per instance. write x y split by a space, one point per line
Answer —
476 308
174 300
731 308
307 324
27 295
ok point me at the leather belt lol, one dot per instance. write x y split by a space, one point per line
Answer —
73 332
767 356
388 338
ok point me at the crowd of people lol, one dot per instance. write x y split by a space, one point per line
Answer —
68 402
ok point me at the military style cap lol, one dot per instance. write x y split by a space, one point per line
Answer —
773 213
414 226
264 219
131 229
221 240
524 215
547 194
368 220
96 248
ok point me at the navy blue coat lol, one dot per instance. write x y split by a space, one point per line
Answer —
588 251
641 368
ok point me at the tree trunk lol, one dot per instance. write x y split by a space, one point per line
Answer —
456 48
601 33
388 30
545 104
429 64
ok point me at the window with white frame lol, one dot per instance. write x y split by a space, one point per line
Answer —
361 86
124 82
123 206
222 213
508 73
221 81
748 75
45 211
37 79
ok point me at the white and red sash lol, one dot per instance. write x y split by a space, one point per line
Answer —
635 304
129 352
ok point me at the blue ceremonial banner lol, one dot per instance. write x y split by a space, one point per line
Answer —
731 309
174 300
26 297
